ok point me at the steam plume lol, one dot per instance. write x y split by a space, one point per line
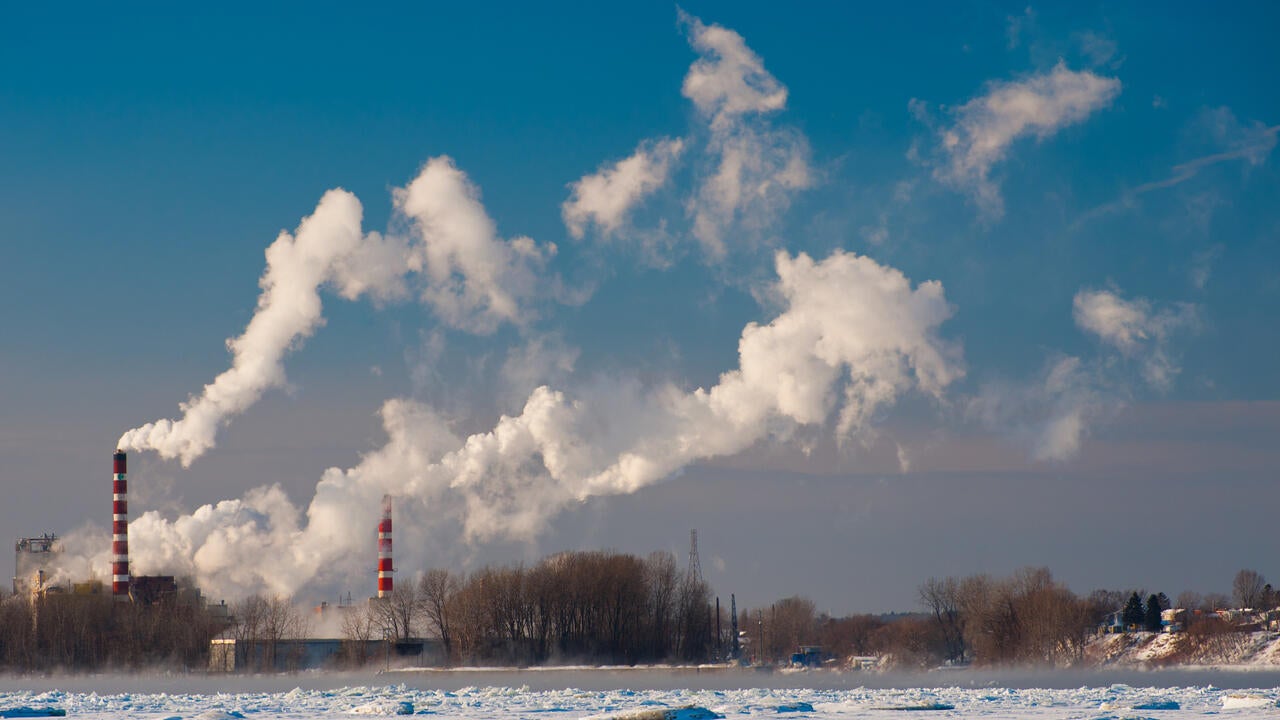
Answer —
851 337
473 279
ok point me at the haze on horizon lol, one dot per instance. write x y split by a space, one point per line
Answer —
864 296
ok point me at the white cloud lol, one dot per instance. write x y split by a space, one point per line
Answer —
1202 265
1252 142
985 127
606 197
1054 414
729 79
745 169
541 360
1229 140
475 279
1018 25
1136 329
756 167
1099 49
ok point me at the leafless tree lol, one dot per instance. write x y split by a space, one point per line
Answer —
397 614
436 591
359 626
790 623
1215 601
850 635
1188 600
1247 589
942 599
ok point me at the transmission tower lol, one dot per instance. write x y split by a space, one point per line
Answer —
695 565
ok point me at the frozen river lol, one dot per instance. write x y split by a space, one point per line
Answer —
601 693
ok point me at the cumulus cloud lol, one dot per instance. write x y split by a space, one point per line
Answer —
470 277
1136 329
606 197
985 127
851 336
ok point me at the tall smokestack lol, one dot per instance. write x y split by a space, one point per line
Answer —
384 549
119 529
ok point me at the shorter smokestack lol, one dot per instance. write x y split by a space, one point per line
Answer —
119 528
384 550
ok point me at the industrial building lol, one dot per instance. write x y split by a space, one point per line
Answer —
33 562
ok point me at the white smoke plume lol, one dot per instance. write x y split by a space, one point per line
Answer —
473 279
850 338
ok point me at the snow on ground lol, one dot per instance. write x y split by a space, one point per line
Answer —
1236 650
521 703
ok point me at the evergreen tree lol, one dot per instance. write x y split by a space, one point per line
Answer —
1152 619
1133 615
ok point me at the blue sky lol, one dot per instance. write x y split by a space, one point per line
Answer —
1068 214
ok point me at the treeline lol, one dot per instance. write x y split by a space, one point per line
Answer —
575 606
609 607
1027 618
65 631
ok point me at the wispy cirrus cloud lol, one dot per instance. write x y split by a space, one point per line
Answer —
1230 139
982 130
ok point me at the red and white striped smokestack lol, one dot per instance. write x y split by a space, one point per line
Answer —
119 529
384 550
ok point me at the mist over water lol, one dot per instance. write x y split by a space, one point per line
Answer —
642 678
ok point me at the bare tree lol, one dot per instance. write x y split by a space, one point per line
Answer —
398 613
1248 588
791 623
850 635
359 626
1188 600
249 620
436 591
1215 601
281 620
942 598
